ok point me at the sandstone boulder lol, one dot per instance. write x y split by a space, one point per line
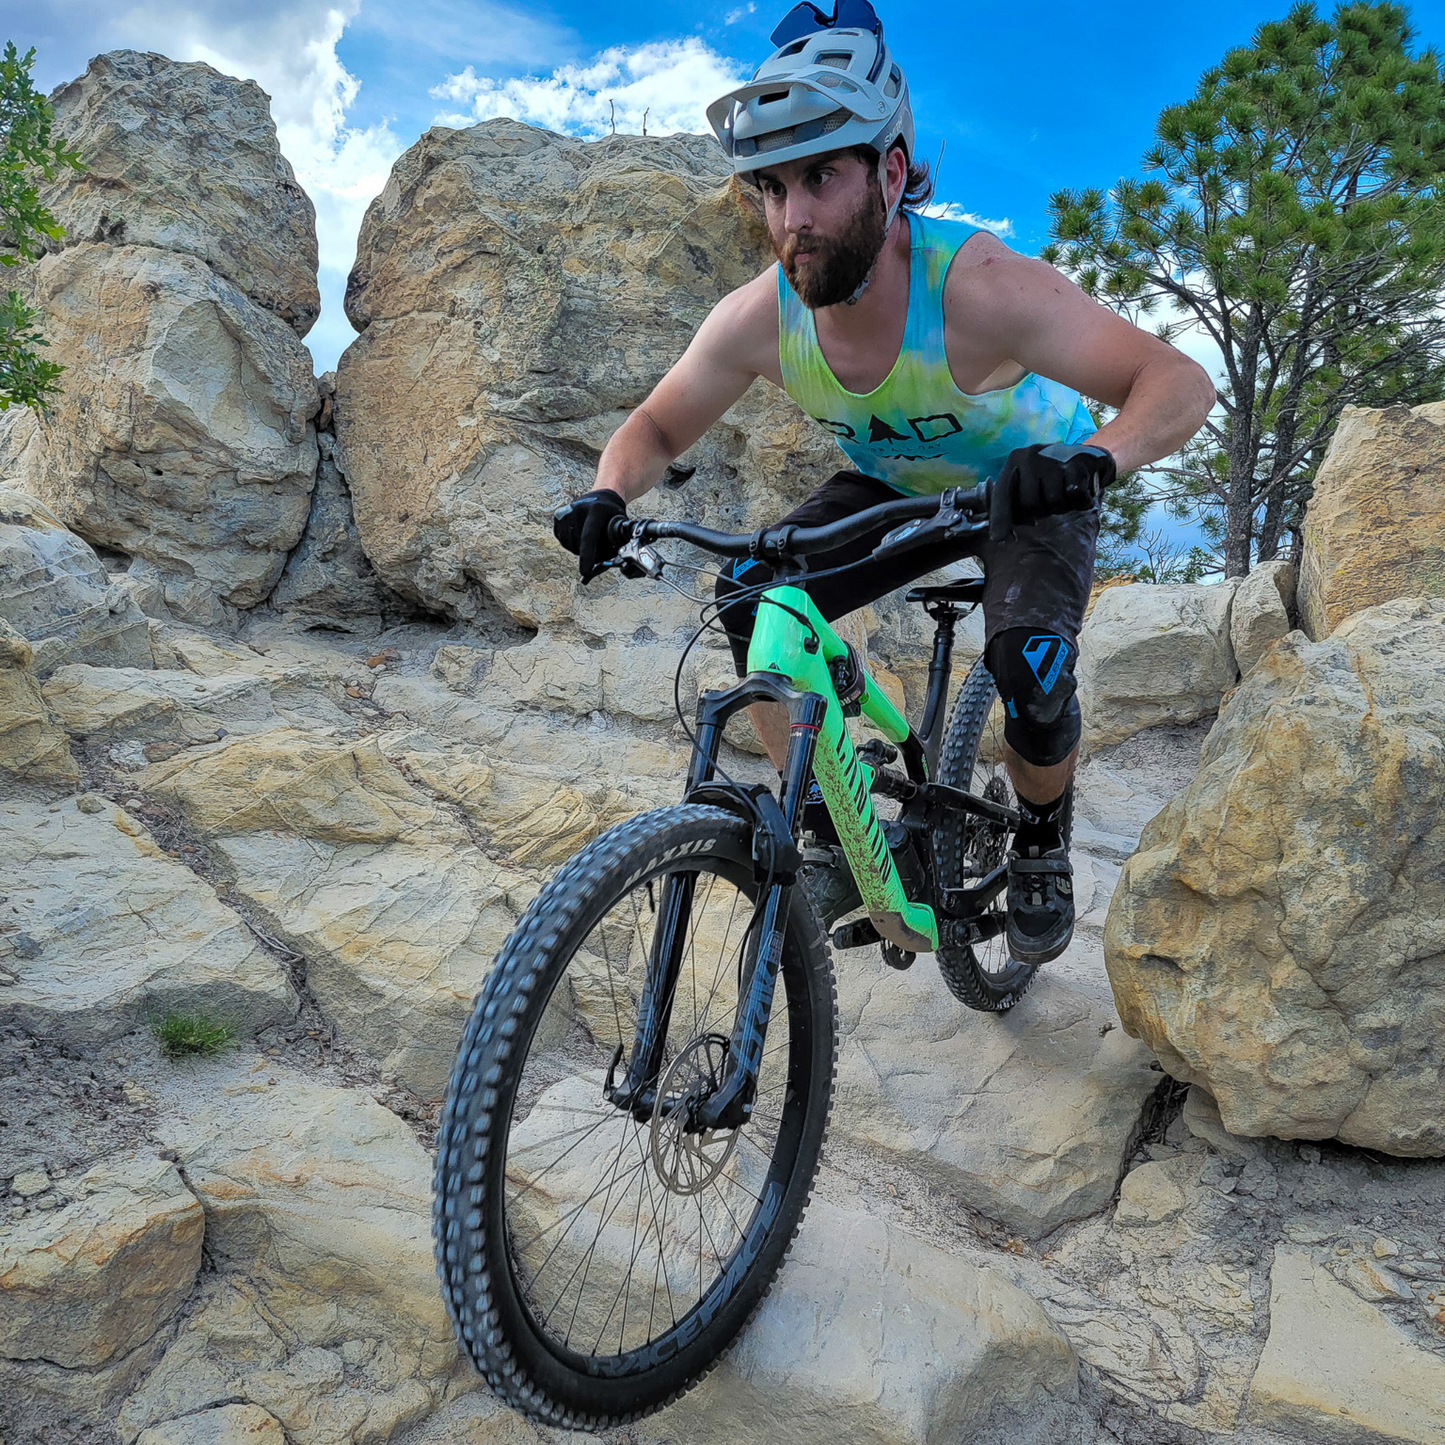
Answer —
106 933
1277 938
183 435
1375 526
183 158
56 593
1026 1117
91 1281
32 747
1150 655
327 1314
575 274
1260 612
1335 1370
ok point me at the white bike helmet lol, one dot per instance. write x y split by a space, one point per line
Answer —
831 84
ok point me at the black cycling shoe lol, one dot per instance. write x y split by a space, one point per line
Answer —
829 880
1040 904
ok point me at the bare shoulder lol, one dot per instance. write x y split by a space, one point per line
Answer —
984 270
743 327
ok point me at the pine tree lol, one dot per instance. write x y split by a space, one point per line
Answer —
1292 210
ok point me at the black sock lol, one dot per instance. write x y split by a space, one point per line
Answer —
1042 829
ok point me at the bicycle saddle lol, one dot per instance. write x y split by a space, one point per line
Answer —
967 591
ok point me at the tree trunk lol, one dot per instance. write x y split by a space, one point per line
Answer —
1272 523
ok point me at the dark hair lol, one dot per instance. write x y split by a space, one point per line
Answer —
917 189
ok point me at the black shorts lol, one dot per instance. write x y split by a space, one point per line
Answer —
1040 578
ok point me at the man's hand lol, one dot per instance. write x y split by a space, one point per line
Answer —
1042 481
581 527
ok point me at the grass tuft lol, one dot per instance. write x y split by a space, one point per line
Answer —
181 1035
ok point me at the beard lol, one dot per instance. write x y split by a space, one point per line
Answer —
838 264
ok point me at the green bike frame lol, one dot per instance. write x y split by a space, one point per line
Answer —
793 640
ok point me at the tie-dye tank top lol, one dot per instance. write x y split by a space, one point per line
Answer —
916 430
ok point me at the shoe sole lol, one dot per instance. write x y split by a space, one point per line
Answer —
1038 951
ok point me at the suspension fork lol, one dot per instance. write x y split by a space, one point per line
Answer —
732 1104
637 1090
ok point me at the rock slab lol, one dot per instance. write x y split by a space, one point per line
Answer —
32 747
1278 936
318 1215
227 1425
1026 1117
108 933
56 593
1335 1370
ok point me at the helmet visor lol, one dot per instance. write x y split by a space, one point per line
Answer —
807 19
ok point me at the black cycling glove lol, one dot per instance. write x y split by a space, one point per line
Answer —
582 528
1042 481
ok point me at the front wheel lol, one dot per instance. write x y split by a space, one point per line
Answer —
596 1266
984 976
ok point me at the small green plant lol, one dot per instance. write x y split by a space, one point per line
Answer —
181 1035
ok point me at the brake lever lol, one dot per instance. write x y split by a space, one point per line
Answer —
920 532
637 559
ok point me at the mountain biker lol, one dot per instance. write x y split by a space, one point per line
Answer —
937 357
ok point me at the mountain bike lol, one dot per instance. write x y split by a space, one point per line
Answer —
634 1120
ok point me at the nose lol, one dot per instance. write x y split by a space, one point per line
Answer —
797 211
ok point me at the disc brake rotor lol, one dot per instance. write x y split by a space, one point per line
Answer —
688 1159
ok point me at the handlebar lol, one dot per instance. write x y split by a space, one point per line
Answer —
954 509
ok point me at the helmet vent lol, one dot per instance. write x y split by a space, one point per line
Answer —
891 89
795 47
838 59
777 140
772 97
839 117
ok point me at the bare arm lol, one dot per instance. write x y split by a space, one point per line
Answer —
1024 309
731 348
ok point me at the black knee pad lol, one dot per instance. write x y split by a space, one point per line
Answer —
1034 673
738 617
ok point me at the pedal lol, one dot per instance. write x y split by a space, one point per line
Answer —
858 934
896 957
877 753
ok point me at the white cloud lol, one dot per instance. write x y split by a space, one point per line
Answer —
741 13
671 82
952 211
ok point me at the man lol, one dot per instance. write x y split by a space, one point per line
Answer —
937 357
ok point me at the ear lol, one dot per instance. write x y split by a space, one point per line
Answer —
897 175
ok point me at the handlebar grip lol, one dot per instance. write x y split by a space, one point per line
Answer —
1000 510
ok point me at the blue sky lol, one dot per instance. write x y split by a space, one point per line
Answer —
1023 98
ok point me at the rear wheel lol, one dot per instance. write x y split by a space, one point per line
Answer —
596 1266
982 975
